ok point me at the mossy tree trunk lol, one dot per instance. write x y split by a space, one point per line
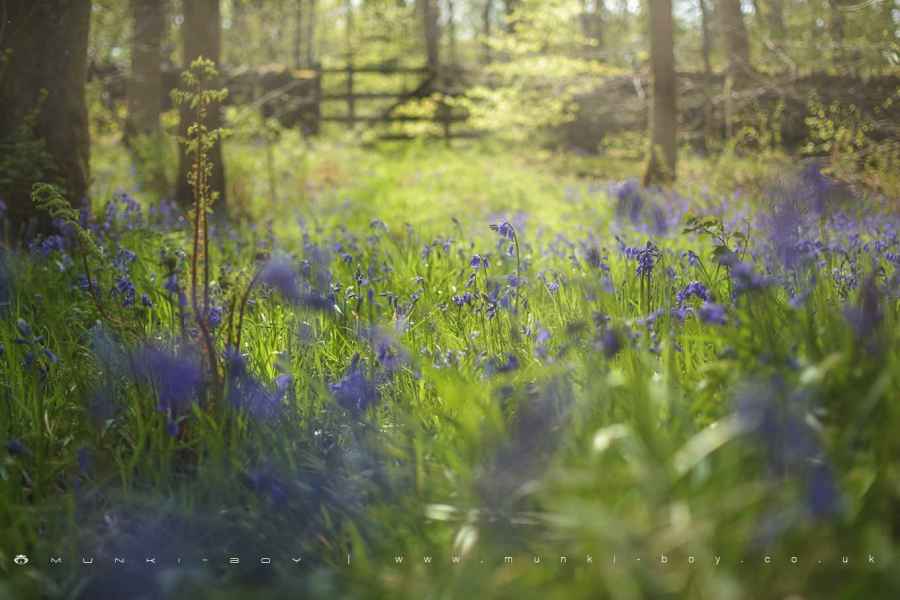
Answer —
202 37
43 69
664 109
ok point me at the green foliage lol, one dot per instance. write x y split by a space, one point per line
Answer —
858 144
23 156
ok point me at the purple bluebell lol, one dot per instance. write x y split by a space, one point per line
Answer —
16 448
280 275
268 483
214 316
123 259
85 459
745 278
691 290
171 284
354 391
692 259
866 317
478 262
124 288
146 302
710 312
245 392
610 342
463 299
176 379
505 230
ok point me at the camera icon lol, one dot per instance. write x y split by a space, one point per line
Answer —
21 560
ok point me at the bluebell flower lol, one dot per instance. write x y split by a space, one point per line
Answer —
171 284
610 342
510 363
280 275
177 380
710 312
214 316
85 459
17 448
25 331
746 279
124 288
692 259
245 392
146 302
265 481
505 230
463 299
866 317
629 201
354 391
479 262
823 496
692 289
123 259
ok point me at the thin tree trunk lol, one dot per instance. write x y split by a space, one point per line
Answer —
451 32
297 42
708 132
430 14
45 44
311 33
836 29
486 16
737 51
511 6
734 36
145 93
664 111
202 36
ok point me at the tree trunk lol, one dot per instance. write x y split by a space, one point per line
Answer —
775 20
737 51
664 111
707 41
145 86
43 70
430 17
836 29
202 35
486 16
297 45
310 59
511 6
734 37
592 22
451 32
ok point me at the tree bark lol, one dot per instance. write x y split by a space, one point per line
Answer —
836 29
486 30
430 17
43 67
511 6
664 111
737 52
707 41
297 42
202 35
145 92
734 37
310 58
